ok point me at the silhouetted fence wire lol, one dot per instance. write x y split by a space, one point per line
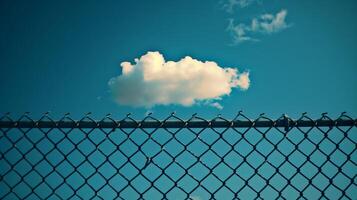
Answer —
178 159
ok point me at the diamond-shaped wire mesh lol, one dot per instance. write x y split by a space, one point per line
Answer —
178 159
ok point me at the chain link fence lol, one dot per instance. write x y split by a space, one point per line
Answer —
178 159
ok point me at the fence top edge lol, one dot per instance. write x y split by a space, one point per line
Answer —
172 121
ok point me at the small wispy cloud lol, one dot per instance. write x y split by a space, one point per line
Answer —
153 81
264 24
216 105
230 5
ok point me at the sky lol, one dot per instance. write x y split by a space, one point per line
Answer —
208 57
60 57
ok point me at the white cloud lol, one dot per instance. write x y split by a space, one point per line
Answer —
264 24
229 5
216 105
153 81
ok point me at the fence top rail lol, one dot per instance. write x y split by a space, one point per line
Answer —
172 121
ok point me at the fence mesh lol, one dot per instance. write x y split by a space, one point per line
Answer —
178 159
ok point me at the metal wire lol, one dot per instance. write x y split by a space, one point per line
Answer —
175 158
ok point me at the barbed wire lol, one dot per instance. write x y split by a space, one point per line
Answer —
175 158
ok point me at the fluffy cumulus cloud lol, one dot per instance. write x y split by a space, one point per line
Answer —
264 24
153 81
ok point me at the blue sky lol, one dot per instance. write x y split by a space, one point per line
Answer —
60 56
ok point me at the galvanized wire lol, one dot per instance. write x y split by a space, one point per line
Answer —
175 158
